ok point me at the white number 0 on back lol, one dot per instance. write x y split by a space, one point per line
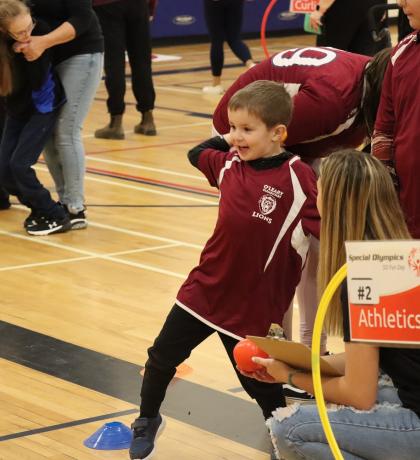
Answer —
294 57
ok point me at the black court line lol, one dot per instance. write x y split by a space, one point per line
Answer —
60 426
197 405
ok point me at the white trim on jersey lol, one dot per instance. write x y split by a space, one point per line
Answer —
228 165
292 88
205 321
299 199
300 242
340 128
403 45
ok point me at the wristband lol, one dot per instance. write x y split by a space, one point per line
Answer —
290 378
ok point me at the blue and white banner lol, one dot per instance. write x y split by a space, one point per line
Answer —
186 17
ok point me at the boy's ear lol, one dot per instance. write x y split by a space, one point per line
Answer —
280 133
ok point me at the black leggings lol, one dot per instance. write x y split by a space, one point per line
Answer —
224 22
180 334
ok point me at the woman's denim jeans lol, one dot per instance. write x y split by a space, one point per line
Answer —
64 153
387 432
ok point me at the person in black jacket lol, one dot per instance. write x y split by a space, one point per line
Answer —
345 25
33 95
77 43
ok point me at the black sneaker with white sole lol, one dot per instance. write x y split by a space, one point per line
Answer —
296 395
42 226
78 220
145 432
31 219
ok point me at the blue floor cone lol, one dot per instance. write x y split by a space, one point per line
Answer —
111 436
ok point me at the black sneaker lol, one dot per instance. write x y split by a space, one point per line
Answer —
78 220
145 431
31 219
293 395
48 225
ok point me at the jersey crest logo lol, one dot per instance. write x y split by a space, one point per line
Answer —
267 204
414 260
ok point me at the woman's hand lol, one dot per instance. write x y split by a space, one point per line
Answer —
34 48
273 371
316 20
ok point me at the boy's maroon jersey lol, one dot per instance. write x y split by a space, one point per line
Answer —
398 122
326 85
250 267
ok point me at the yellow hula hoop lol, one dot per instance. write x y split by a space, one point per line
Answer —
335 282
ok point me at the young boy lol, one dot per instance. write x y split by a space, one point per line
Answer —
396 137
251 265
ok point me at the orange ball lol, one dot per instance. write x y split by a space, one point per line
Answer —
243 352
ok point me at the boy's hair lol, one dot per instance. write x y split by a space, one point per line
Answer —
267 100
358 202
9 9
373 77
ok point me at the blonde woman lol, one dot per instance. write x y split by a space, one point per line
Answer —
357 201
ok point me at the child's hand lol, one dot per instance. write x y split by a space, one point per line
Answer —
261 374
274 371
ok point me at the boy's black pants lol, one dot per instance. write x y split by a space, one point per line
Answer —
180 334
125 25
21 145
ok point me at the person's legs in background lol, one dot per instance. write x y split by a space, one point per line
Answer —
65 155
112 19
213 14
233 25
139 49
307 297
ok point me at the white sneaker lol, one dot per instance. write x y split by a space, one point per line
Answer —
218 89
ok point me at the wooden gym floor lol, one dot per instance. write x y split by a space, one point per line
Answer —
79 310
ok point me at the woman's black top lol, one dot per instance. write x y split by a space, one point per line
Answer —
80 15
